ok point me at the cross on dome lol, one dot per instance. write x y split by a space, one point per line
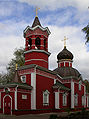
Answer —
65 41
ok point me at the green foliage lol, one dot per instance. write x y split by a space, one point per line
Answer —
87 85
53 116
86 31
18 59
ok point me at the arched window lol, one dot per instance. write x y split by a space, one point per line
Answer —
37 42
64 99
46 97
29 42
76 99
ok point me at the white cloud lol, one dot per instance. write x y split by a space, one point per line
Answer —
75 44
55 4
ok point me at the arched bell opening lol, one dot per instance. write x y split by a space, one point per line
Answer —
37 43
29 43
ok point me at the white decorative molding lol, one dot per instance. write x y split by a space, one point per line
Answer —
36 60
43 29
33 92
56 100
16 98
36 50
72 94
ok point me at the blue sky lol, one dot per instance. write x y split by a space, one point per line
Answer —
63 17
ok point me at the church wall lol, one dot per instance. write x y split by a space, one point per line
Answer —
80 94
42 84
24 99
40 63
67 84
36 55
28 79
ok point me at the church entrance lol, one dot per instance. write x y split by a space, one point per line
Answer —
7 104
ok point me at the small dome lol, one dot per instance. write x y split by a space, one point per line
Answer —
65 72
65 54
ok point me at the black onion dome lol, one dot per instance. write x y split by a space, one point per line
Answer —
65 54
65 72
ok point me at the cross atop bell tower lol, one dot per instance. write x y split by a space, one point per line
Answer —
36 44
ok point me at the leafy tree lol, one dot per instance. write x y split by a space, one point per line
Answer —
86 31
87 85
18 59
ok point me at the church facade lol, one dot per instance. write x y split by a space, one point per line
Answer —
35 88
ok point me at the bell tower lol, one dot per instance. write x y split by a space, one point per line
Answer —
36 44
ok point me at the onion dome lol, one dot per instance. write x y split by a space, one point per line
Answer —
68 72
65 54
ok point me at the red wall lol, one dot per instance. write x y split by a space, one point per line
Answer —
23 103
80 93
44 83
37 55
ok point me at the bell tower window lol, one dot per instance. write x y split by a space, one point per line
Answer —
37 42
29 42
45 43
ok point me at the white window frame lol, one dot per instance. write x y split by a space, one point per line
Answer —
80 85
24 97
83 100
46 98
76 99
64 99
23 78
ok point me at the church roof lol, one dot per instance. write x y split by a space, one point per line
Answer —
68 72
61 86
36 22
65 54
38 67
16 78
19 85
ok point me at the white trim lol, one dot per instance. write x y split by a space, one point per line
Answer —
54 81
72 94
11 102
36 50
16 98
47 98
33 92
36 59
56 100
44 29
64 99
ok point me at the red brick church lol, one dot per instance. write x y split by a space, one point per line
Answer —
35 88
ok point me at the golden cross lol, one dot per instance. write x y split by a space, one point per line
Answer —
65 41
37 10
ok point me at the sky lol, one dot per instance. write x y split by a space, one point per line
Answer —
62 17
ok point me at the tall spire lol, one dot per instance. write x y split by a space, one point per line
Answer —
36 22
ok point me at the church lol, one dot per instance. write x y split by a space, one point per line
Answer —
36 89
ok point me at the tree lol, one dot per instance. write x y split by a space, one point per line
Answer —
18 59
86 31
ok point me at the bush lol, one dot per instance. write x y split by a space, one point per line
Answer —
53 116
